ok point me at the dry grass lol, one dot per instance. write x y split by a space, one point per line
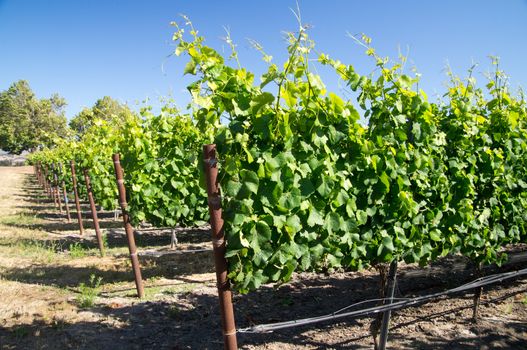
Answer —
45 268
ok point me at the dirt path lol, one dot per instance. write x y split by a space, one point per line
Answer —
48 302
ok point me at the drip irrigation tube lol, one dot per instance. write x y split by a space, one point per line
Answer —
402 303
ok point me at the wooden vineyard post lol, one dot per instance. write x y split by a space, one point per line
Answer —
128 226
76 194
93 211
218 244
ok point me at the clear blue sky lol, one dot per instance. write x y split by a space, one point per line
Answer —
84 50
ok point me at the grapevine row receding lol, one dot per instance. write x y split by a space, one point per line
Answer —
315 181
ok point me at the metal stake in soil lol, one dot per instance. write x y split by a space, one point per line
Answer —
128 226
76 193
47 187
218 244
93 211
52 185
392 280
39 173
44 185
65 194
57 188
39 166
66 201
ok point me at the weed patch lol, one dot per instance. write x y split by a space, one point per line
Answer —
88 292
76 250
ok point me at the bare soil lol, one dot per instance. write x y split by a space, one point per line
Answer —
44 262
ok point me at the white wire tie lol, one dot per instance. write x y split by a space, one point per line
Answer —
231 332
218 242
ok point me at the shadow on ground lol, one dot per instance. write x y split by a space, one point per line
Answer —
69 276
44 215
193 322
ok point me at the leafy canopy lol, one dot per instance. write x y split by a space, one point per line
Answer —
307 187
105 108
27 122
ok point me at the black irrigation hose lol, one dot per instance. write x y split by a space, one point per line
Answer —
480 282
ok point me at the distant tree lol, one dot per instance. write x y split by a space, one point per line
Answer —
81 122
105 108
27 122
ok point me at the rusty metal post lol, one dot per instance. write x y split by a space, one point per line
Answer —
218 244
76 193
93 211
42 176
39 167
47 188
39 173
66 202
65 193
128 226
57 188
48 183
52 184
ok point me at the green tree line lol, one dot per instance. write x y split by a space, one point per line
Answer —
28 123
